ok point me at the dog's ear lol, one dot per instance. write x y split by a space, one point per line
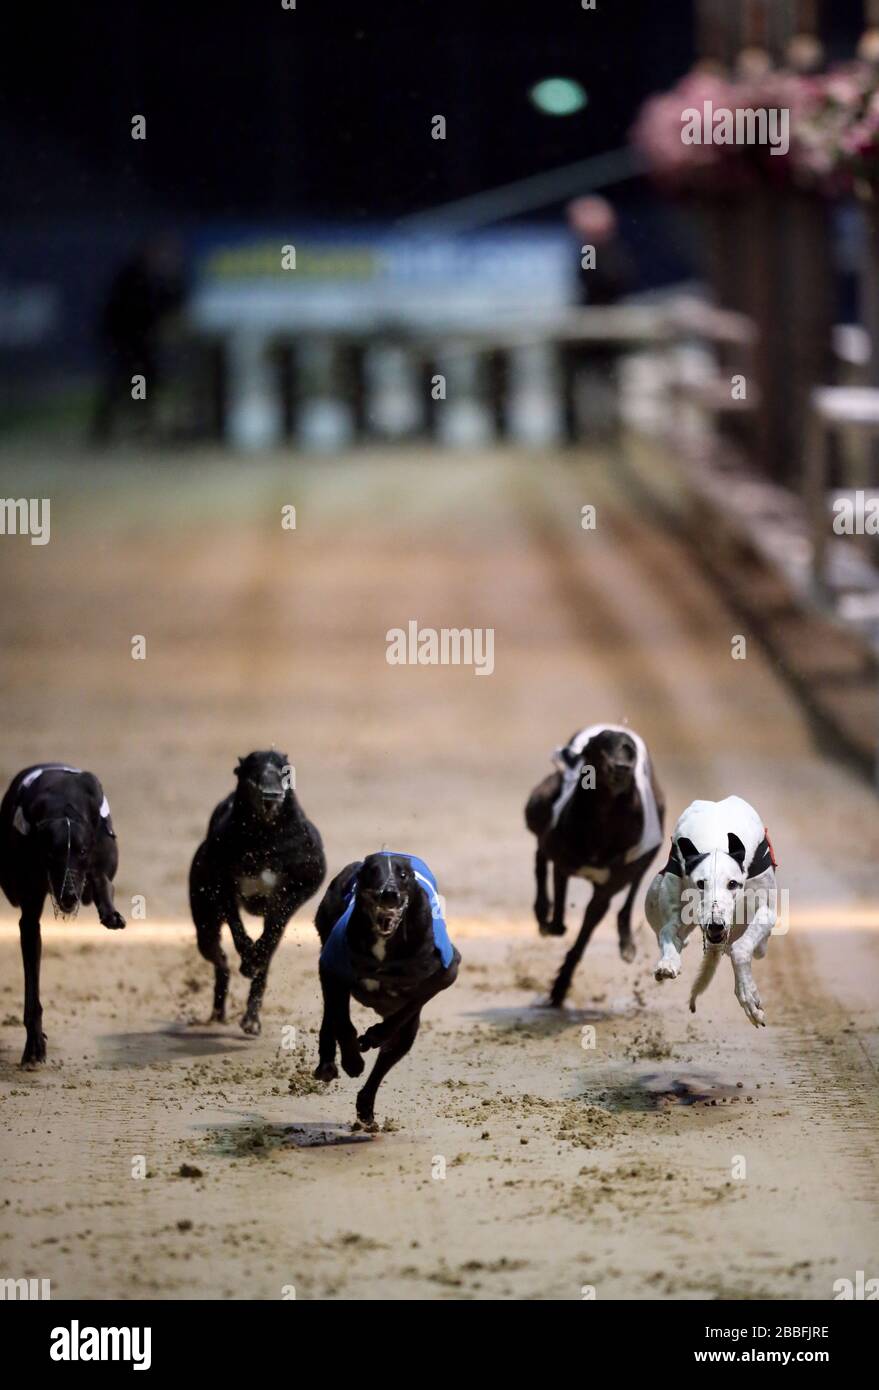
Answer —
690 855
238 767
736 849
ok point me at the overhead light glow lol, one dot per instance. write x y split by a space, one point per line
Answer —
558 96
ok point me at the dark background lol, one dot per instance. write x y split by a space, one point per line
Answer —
325 110
256 113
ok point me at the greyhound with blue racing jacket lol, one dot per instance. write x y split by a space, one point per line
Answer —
384 942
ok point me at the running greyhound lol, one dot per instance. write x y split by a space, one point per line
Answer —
720 876
385 942
56 838
260 854
598 817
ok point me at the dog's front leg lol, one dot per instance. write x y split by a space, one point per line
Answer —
256 968
595 909
31 949
670 946
541 901
326 1069
624 919
742 952
556 927
382 1033
336 1026
243 943
102 892
260 952
390 1054
664 913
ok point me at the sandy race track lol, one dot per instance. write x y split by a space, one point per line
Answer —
513 1161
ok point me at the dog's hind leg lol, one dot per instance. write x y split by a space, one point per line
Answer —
390 1054
211 947
541 901
595 910
31 950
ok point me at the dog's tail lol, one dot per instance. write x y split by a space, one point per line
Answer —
711 957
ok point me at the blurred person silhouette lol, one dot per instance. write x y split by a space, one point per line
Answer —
606 273
145 294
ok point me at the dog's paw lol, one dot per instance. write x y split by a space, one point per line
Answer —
251 1025
628 949
365 1113
750 1001
552 929
326 1071
115 922
373 1037
352 1063
667 970
34 1051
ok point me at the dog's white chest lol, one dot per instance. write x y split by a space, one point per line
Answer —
257 887
594 874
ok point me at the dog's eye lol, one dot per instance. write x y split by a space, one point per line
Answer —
732 884
700 883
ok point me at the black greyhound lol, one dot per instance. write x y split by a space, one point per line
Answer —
262 854
384 941
56 838
599 817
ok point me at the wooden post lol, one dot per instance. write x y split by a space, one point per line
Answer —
716 22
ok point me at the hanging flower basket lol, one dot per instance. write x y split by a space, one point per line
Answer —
774 128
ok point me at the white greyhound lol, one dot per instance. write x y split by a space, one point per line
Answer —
720 876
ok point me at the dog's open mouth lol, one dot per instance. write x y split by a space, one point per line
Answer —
386 920
715 936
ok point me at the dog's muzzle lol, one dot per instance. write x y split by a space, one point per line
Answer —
386 920
715 931
67 901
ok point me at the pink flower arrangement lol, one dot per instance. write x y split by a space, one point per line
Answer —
837 132
833 131
656 134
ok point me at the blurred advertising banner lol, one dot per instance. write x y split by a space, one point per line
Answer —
339 278
361 318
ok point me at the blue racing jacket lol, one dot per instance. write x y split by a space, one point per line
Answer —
336 955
